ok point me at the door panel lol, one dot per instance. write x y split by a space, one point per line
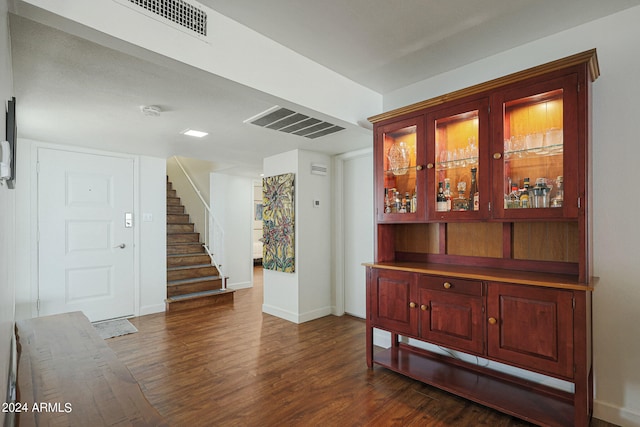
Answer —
531 327
393 304
85 251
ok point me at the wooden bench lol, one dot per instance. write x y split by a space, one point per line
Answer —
68 376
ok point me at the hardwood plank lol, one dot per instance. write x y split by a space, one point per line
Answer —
233 365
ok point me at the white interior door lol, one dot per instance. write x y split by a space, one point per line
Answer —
358 231
85 249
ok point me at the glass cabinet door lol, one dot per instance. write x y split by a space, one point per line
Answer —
400 180
457 177
537 137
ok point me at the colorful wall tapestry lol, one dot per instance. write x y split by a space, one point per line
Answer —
278 223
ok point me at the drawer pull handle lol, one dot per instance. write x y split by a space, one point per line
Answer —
424 307
447 285
412 304
492 320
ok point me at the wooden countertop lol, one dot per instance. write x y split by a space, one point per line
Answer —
550 280
68 375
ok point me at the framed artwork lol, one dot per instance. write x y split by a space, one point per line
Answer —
278 223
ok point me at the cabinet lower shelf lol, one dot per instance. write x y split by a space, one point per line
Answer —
531 402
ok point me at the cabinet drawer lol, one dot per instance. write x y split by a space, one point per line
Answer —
450 284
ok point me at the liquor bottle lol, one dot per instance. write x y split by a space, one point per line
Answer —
474 196
514 197
447 192
524 195
461 203
407 202
397 203
441 200
387 203
414 201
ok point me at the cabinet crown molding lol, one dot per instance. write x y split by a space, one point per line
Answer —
588 57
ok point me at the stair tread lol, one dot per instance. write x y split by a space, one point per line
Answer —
198 295
185 255
192 280
188 267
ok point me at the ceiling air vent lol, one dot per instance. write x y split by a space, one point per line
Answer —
289 121
178 11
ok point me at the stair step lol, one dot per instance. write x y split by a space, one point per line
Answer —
191 272
171 193
180 228
188 286
173 201
188 259
199 299
175 209
183 237
179 218
184 248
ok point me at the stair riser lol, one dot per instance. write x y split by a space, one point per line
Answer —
184 249
171 193
177 218
189 288
183 238
191 273
188 260
180 228
175 209
200 302
173 201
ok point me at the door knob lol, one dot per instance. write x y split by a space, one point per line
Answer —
121 246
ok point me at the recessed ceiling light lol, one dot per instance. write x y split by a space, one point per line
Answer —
196 133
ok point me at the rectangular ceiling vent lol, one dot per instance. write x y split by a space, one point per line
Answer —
288 121
177 11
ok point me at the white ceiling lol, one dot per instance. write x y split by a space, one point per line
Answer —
73 91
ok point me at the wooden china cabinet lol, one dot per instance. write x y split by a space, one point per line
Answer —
483 240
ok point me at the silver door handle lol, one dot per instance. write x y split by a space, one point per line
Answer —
121 246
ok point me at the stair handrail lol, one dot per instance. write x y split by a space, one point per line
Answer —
218 232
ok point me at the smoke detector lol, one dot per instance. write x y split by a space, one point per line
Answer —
151 110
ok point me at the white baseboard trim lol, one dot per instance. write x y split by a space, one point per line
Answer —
150 309
296 317
240 285
616 415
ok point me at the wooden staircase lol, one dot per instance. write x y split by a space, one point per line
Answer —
191 279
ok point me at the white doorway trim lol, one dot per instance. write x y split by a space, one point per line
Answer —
33 222
339 212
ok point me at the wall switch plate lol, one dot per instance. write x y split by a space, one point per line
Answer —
316 203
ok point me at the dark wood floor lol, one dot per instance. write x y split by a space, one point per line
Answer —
232 365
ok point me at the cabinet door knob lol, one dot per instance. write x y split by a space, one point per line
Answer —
447 285
429 165
412 304
497 156
493 320
419 167
424 307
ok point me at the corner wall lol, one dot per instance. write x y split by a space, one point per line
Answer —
615 169
305 294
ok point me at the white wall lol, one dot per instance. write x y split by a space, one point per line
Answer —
150 254
153 234
7 221
615 170
305 294
232 205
